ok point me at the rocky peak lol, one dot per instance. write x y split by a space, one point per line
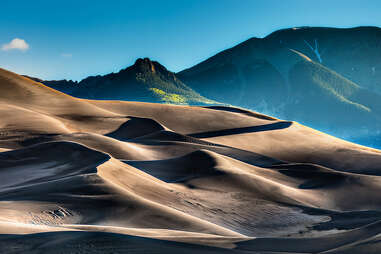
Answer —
147 66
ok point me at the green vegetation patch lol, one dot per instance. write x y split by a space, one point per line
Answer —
172 98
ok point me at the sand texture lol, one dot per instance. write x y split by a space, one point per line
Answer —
86 176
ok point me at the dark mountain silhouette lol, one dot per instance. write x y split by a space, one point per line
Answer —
146 81
63 85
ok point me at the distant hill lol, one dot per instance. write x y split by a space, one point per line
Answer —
146 81
66 86
327 78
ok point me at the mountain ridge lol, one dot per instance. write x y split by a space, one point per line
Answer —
267 75
256 74
145 80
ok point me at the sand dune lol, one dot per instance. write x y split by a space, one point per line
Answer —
83 176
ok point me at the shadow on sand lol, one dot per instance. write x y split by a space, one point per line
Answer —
258 128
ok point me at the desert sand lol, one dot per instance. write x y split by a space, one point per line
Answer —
86 176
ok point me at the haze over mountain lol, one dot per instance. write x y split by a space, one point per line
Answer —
89 176
326 78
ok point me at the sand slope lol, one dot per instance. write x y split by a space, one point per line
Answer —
83 176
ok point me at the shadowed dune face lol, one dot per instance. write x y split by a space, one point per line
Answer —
116 177
44 163
132 128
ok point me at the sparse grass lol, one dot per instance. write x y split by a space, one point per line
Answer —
172 91
328 83
171 98
336 93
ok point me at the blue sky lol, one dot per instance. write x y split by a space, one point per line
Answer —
74 39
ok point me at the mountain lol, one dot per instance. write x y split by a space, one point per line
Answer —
146 81
327 78
65 86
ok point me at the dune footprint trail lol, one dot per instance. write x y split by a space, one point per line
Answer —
86 176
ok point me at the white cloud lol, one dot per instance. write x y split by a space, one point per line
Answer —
16 44
67 55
